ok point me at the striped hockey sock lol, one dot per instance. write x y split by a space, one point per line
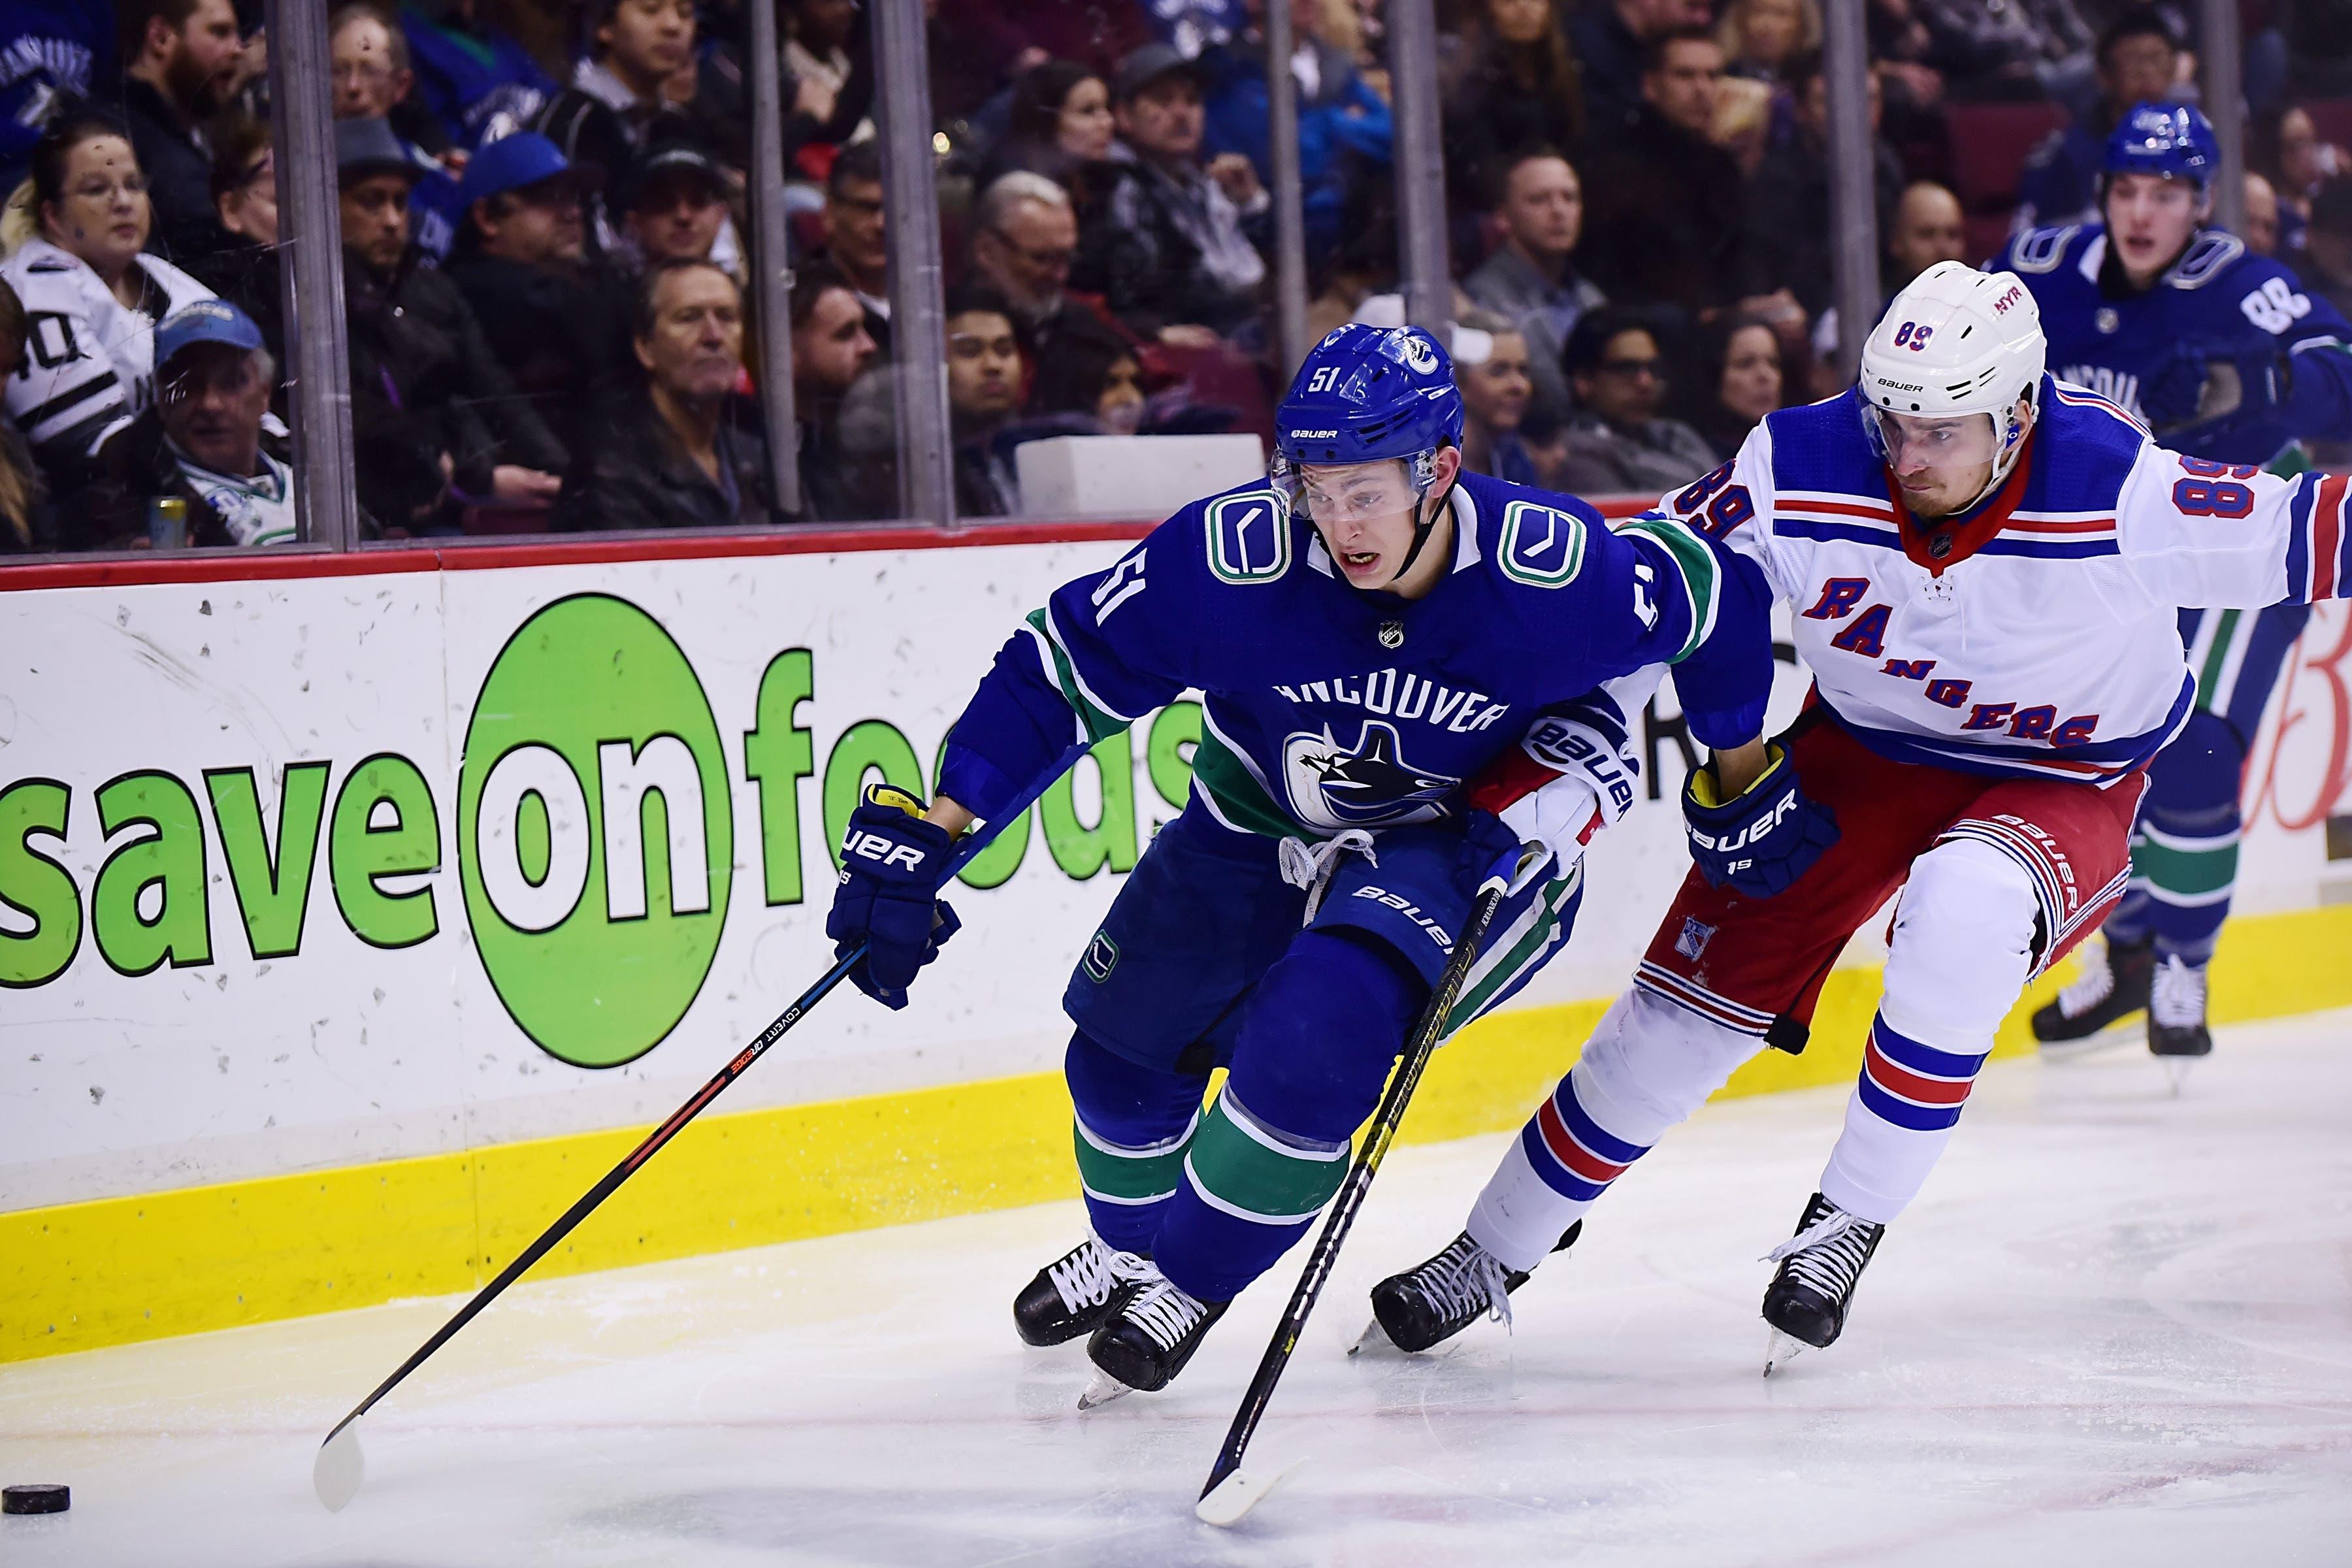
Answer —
1249 1192
1905 1105
1127 1188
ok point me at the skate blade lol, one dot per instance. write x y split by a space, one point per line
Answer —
2106 1039
340 1466
1781 1349
2176 1071
1374 1337
1238 1493
1102 1390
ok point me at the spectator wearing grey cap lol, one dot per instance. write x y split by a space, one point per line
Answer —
438 422
201 443
1174 246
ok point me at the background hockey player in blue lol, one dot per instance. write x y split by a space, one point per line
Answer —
1370 628
2224 355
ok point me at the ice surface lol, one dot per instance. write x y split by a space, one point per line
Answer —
2116 1329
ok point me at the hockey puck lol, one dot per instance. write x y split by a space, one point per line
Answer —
42 1497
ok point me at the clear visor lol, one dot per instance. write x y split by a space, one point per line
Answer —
1350 493
1950 442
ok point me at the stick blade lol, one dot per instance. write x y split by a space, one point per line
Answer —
1224 1504
337 1472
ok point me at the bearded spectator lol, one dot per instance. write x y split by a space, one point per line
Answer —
831 350
182 62
1024 237
372 80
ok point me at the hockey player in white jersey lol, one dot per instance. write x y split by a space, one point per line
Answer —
1985 567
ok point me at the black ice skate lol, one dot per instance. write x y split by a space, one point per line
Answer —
2112 986
2176 1017
1426 1306
1152 1331
1807 1301
1072 1297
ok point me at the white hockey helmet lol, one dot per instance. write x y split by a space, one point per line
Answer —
1957 340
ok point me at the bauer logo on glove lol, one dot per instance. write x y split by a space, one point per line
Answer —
1761 840
893 865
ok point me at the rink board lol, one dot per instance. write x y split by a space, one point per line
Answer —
247 1089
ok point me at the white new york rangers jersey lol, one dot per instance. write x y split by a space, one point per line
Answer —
2037 636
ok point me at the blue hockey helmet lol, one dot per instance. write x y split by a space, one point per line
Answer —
2171 140
1367 393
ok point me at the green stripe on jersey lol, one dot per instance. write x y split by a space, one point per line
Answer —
2217 654
1245 1172
1234 791
1122 1175
1099 723
2190 873
1698 573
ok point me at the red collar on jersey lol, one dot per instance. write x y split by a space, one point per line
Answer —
1964 535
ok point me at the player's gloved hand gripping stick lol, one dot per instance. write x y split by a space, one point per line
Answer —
1761 840
908 924
1231 1492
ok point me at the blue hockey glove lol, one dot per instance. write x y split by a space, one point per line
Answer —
893 865
1491 848
2173 391
1763 840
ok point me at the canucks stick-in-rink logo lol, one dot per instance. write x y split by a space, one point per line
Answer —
1366 785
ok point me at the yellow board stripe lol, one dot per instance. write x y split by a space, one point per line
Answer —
79 1276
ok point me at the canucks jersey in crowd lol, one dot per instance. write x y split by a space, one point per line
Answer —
2156 350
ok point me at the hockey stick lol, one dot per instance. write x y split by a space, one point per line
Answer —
339 1470
1232 1493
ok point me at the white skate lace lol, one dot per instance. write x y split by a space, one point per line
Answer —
1091 1272
1164 1312
2093 986
1464 1281
2176 996
1828 1254
1311 865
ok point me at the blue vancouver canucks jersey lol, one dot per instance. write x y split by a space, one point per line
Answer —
1327 707
2220 302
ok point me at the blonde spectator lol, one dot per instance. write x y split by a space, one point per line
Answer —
1762 38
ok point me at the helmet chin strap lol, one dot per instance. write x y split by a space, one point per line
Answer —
1425 512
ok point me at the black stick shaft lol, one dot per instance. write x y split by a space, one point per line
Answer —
1418 1050
965 852
614 1178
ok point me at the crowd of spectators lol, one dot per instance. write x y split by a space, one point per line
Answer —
547 234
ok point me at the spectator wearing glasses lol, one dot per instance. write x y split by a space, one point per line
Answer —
678 450
1618 443
1532 279
1172 249
831 350
1664 210
91 294
1025 235
437 423
556 319
372 80
201 443
182 62
857 233
1490 367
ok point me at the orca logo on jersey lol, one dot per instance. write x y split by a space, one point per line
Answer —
1364 785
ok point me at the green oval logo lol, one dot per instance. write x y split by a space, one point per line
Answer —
594 836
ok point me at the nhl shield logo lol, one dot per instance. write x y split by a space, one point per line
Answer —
2106 320
1392 633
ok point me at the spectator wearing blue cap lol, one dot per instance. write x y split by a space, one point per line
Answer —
437 425
556 316
202 442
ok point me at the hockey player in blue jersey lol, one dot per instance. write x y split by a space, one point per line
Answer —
2225 356
1371 627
